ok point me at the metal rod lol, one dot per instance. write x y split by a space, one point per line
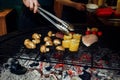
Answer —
65 24
59 26
54 17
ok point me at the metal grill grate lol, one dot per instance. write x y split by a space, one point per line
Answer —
96 56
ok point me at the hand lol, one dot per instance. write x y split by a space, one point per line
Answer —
80 6
32 4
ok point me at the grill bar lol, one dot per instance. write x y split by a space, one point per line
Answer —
12 47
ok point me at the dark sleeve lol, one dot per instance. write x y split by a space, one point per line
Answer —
29 20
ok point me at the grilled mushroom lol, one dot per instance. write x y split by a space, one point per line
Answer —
36 36
60 48
56 41
50 33
36 41
47 38
29 44
44 49
49 43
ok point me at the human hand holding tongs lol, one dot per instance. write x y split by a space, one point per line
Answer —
60 24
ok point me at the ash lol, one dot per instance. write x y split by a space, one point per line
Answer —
7 75
78 73
29 75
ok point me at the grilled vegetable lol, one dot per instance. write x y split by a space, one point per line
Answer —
56 42
47 38
60 48
36 41
49 43
29 44
44 49
36 36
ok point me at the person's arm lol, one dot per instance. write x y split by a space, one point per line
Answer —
78 6
32 4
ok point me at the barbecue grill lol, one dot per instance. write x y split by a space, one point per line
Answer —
98 55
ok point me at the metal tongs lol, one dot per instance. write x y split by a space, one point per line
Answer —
60 24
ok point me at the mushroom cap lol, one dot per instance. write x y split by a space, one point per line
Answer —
36 41
56 41
49 43
29 44
60 48
47 38
36 36
50 33
44 49
26 41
